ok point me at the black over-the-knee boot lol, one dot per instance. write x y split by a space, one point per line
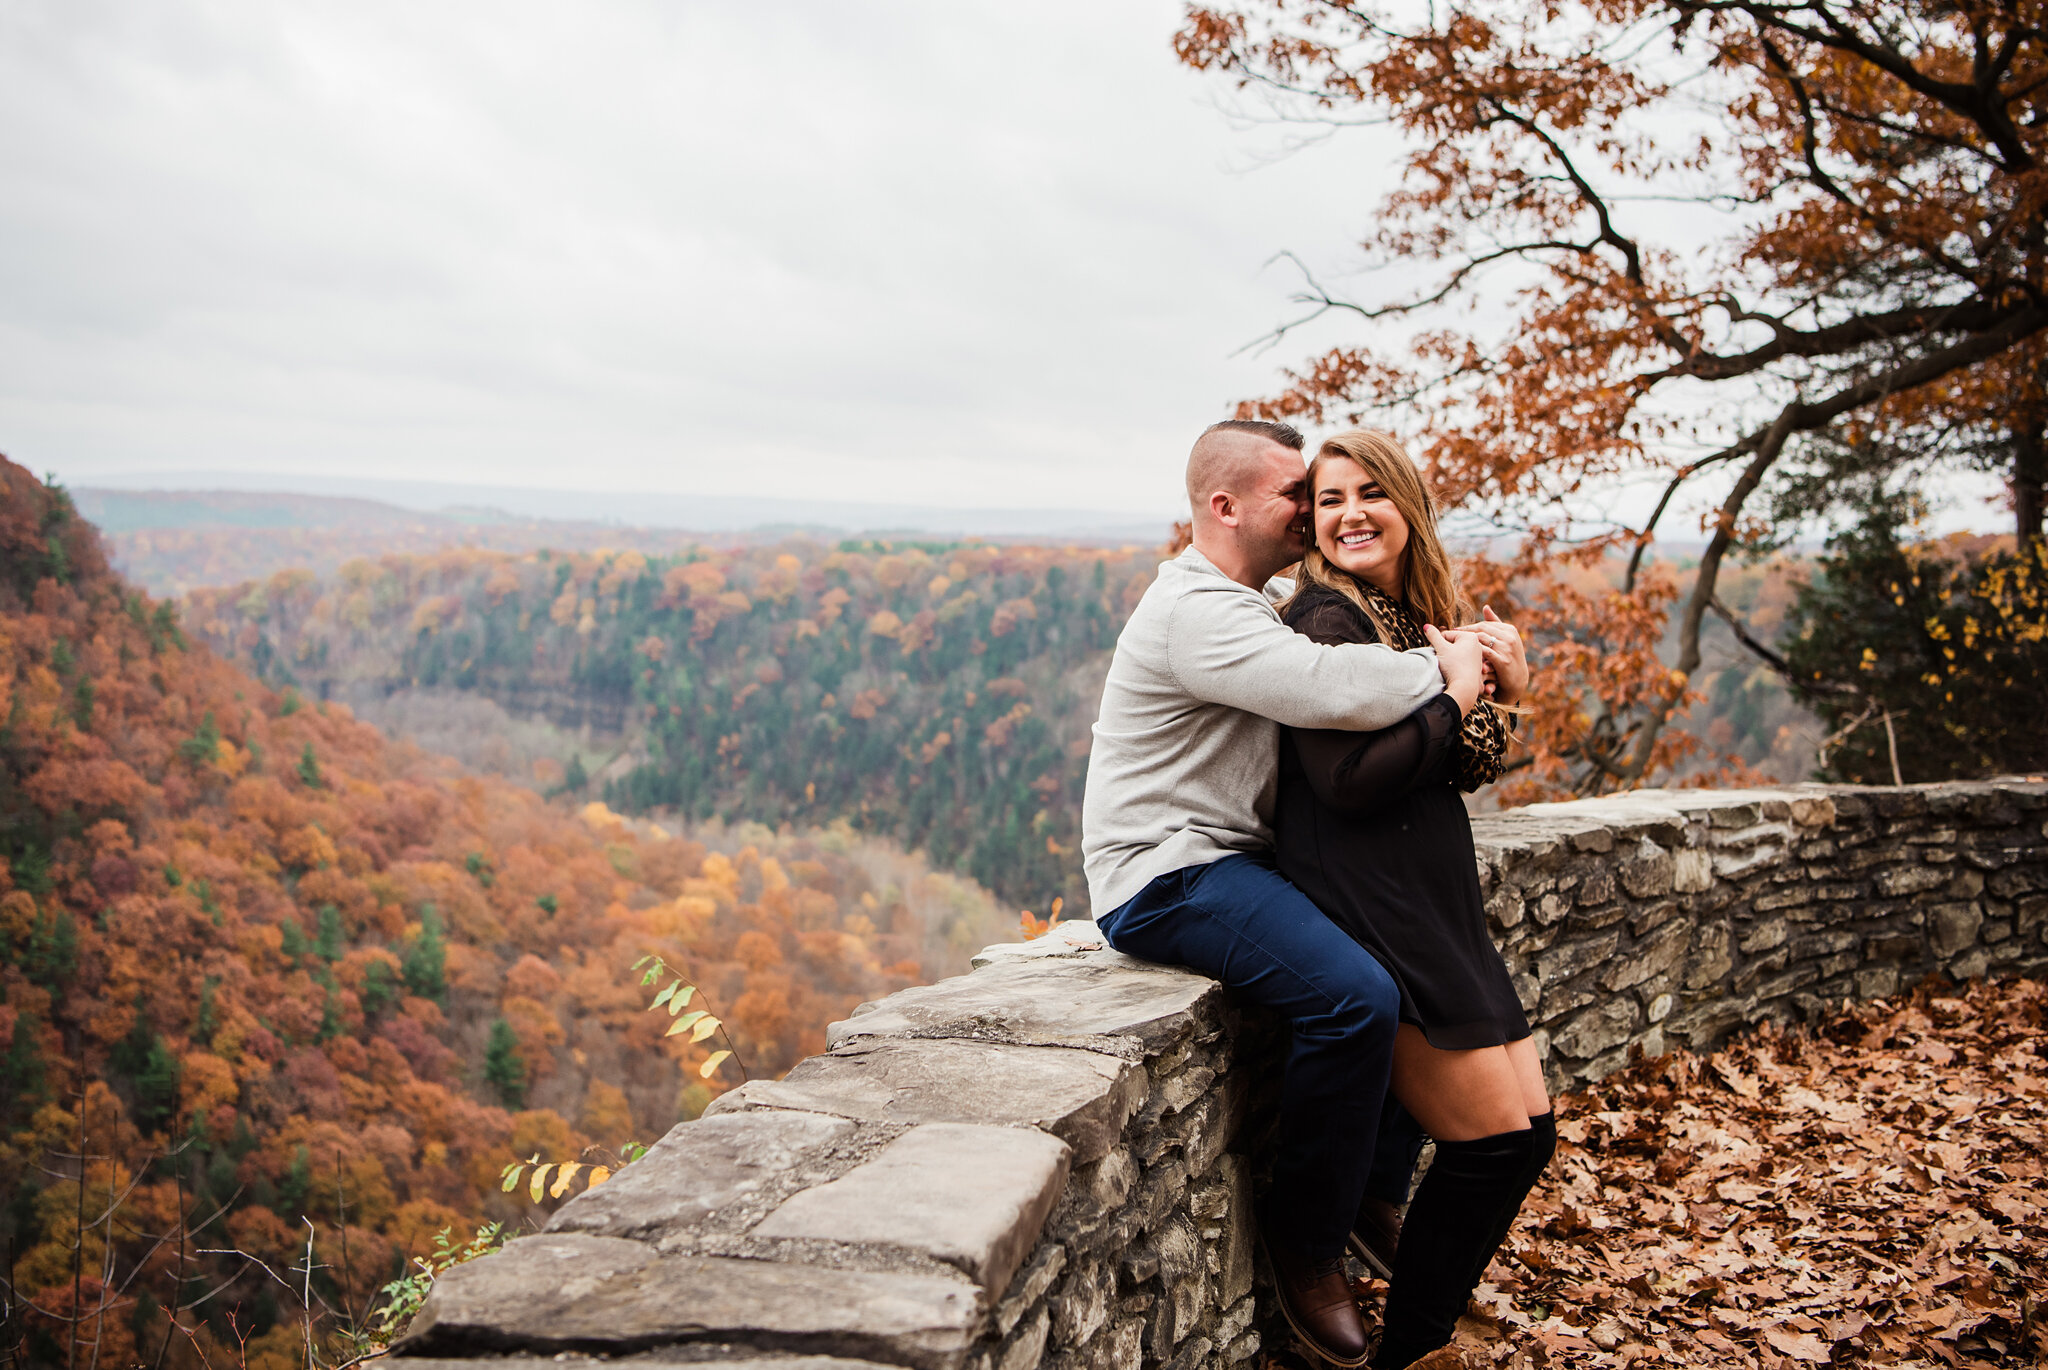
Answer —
1542 1146
1452 1230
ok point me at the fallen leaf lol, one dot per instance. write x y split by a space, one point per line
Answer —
1798 1345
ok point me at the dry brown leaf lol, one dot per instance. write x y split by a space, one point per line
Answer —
1836 1195
1802 1346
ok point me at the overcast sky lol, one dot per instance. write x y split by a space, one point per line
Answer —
915 251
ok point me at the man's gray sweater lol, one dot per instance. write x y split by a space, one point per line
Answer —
1187 746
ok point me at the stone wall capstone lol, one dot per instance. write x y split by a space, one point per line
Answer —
1050 1161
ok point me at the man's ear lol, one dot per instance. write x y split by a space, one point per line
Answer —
1223 508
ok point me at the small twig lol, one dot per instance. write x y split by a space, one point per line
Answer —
367 1355
1775 660
177 1280
208 1296
1891 741
348 1304
12 1358
306 1297
197 1345
256 1261
1842 734
99 1320
78 1233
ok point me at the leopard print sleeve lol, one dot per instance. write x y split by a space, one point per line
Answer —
1479 755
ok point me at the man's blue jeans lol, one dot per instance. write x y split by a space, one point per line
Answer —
1240 922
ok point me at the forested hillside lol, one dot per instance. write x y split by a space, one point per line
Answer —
937 695
260 965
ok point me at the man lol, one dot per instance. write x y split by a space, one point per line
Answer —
1176 837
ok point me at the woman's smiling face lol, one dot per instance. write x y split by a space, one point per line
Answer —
1358 529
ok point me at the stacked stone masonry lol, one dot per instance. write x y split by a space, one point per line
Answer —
1050 1161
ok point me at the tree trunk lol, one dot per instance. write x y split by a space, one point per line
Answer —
2029 479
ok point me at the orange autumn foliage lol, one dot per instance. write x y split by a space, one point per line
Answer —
1694 249
252 954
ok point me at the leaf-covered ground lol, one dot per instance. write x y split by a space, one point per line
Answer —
1867 1192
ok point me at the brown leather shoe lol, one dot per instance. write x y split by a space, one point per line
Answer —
1374 1235
1315 1297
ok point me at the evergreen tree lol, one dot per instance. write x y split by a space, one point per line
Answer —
294 940
150 1068
21 1070
298 1183
309 768
164 630
425 968
203 746
504 1067
327 941
380 989
52 946
131 1054
575 777
156 1087
1922 653
208 1021
221 1168
330 1016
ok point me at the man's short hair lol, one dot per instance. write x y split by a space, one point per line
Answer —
1220 458
1286 434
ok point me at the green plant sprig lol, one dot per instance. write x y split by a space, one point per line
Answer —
699 1023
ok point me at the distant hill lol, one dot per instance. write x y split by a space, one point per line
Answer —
664 509
127 511
172 541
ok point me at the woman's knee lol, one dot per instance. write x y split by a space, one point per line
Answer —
1457 1095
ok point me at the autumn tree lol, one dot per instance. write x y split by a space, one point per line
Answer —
1860 275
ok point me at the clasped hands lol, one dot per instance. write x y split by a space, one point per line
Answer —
1483 659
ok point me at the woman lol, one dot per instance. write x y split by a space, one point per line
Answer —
1372 828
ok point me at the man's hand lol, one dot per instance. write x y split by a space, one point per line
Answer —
1506 660
1460 655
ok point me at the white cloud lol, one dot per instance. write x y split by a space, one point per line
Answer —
916 252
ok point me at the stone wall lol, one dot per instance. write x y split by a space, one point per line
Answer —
1666 918
1049 1162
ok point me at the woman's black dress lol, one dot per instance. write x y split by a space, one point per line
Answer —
1371 827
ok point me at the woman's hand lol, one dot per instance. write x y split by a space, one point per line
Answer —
1506 659
1461 656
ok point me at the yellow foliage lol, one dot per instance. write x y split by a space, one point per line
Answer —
606 1117
17 914
207 1083
542 1132
306 848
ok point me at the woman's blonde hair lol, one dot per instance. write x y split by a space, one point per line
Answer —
1429 584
